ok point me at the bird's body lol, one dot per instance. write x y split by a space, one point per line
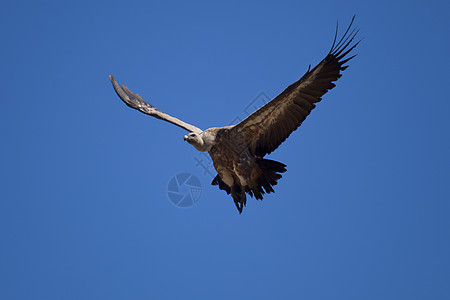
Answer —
238 151
238 171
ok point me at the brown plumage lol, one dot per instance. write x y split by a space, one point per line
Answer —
237 151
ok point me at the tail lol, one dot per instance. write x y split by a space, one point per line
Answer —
268 176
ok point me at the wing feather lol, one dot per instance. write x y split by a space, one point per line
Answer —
135 101
264 130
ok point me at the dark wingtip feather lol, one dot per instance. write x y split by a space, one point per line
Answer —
343 38
344 46
347 59
335 36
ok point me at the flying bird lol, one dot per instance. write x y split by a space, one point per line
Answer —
238 151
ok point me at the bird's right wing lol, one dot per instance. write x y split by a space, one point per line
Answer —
135 101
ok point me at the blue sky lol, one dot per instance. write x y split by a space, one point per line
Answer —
362 212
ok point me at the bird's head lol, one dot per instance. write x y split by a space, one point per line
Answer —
196 140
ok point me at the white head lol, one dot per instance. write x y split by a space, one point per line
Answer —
196 140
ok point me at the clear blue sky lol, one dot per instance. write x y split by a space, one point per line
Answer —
362 213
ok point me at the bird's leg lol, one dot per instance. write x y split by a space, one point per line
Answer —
243 197
238 205
236 193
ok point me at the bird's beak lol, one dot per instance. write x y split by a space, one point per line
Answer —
185 137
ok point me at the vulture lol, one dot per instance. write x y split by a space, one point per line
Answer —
238 151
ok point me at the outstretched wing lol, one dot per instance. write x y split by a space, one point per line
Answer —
135 101
264 130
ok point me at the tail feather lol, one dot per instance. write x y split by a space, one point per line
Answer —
268 178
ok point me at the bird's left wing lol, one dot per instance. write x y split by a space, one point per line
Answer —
135 101
264 130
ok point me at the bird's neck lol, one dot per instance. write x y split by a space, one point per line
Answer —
202 146
205 143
